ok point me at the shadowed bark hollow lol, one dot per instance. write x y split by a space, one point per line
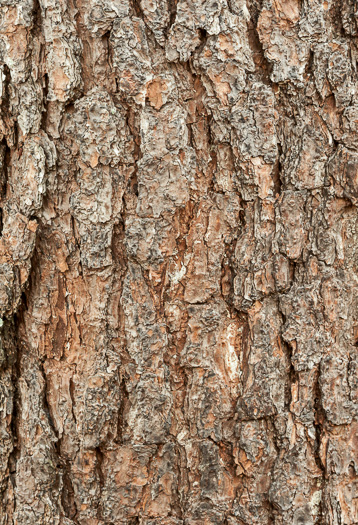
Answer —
178 262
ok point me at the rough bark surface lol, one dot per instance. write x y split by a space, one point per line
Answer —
179 262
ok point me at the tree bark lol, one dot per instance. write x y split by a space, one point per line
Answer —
179 254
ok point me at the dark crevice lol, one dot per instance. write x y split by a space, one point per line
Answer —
24 301
227 275
36 17
318 422
121 424
310 63
5 161
78 246
79 328
5 103
172 7
72 389
254 7
46 406
34 218
99 461
292 374
68 500
45 102
138 9
319 419
11 128
277 172
101 478
262 65
133 184
203 36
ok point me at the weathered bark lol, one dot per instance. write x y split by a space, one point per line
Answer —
178 291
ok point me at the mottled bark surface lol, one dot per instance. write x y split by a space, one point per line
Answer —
178 262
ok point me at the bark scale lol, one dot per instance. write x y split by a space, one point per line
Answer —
178 262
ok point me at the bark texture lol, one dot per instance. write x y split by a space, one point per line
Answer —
179 262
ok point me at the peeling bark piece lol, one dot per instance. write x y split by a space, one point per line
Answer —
264 366
101 14
278 27
63 51
343 167
131 57
292 224
254 140
157 17
226 58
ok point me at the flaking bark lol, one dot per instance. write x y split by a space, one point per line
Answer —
178 273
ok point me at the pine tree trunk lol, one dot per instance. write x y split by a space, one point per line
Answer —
179 262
